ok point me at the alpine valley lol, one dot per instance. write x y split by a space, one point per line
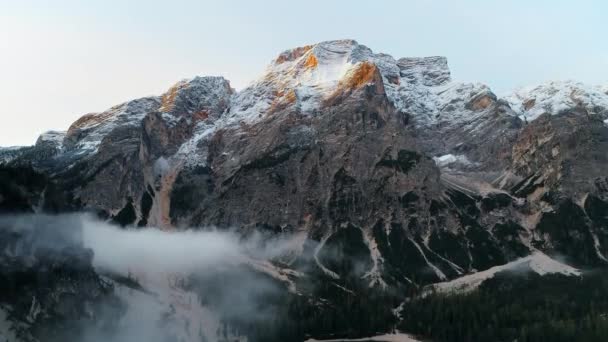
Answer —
344 194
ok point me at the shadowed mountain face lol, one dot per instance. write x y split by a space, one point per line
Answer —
385 174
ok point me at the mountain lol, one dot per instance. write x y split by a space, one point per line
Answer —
385 176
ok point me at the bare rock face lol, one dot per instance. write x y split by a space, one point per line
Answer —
428 71
561 162
385 173
110 161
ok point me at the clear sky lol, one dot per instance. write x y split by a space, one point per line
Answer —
60 59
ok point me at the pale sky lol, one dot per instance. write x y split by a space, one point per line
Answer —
61 59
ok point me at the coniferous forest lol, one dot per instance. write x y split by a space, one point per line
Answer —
523 307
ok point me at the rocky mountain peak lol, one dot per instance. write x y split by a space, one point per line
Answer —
51 138
555 97
197 98
307 77
325 52
303 77
333 59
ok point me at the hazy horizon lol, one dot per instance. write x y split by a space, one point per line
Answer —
67 58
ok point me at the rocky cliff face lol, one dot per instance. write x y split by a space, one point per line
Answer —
386 173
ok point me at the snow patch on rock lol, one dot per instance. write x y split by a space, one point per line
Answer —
538 262
448 159
557 96
86 134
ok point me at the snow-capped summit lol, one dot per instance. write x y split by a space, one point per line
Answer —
556 96
86 134
197 98
305 77
191 100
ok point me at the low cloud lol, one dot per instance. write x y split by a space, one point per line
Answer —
174 285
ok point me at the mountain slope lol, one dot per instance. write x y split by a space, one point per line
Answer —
384 175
